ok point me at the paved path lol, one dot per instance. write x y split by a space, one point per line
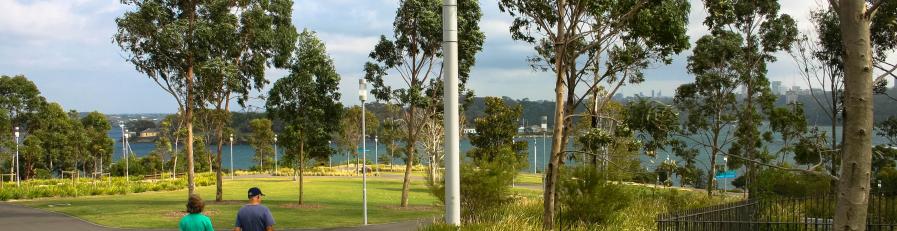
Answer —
21 218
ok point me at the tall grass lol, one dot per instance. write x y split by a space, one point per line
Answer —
32 189
526 212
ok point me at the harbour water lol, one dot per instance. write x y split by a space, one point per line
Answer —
243 153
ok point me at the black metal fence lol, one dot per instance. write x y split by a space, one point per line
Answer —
811 213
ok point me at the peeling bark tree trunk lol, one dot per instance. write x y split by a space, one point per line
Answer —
220 133
301 171
409 164
188 121
853 186
560 90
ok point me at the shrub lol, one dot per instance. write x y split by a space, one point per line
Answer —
586 197
776 182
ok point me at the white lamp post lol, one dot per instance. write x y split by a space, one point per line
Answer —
535 154
17 157
127 147
231 156
329 155
275 154
726 161
376 150
452 122
363 96
544 127
124 148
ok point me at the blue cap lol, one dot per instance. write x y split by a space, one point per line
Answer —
254 191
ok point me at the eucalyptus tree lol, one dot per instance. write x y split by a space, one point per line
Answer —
262 140
198 51
349 135
709 103
856 19
20 99
412 59
654 122
261 36
100 145
571 37
307 101
763 31
52 125
390 132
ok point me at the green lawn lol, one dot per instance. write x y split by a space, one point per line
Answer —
528 178
329 202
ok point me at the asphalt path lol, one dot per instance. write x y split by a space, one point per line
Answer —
21 218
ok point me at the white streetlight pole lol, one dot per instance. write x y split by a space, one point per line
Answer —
330 155
726 161
127 147
275 154
363 96
544 127
535 154
18 182
452 122
124 148
231 156
376 150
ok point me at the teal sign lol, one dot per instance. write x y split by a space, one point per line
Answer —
731 174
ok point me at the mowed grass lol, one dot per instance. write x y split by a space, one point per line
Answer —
528 178
329 202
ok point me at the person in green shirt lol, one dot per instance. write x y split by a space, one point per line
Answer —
195 221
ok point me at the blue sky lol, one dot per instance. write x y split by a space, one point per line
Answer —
65 47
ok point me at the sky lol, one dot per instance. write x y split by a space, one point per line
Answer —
66 48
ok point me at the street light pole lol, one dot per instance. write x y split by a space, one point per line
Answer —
330 156
376 150
275 154
231 156
124 148
535 154
452 122
544 127
127 147
363 96
18 182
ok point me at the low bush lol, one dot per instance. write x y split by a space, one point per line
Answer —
525 213
586 197
38 188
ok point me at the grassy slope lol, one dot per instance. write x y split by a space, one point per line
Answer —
330 202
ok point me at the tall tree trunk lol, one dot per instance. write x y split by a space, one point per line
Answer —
301 171
409 149
557 147
218 176
188 121
853 186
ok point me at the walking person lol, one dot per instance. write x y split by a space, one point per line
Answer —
195 220
254 216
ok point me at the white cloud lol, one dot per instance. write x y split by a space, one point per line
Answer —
346 44
56 20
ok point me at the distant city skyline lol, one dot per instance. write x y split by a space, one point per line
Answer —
65 47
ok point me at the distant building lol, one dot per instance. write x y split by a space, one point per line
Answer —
469 131
776 87
791 96
149 132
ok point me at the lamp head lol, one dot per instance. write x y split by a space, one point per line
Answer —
275 137
17 132
362 90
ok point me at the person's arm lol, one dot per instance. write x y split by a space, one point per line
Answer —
269 220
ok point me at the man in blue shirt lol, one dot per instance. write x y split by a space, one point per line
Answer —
254 216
